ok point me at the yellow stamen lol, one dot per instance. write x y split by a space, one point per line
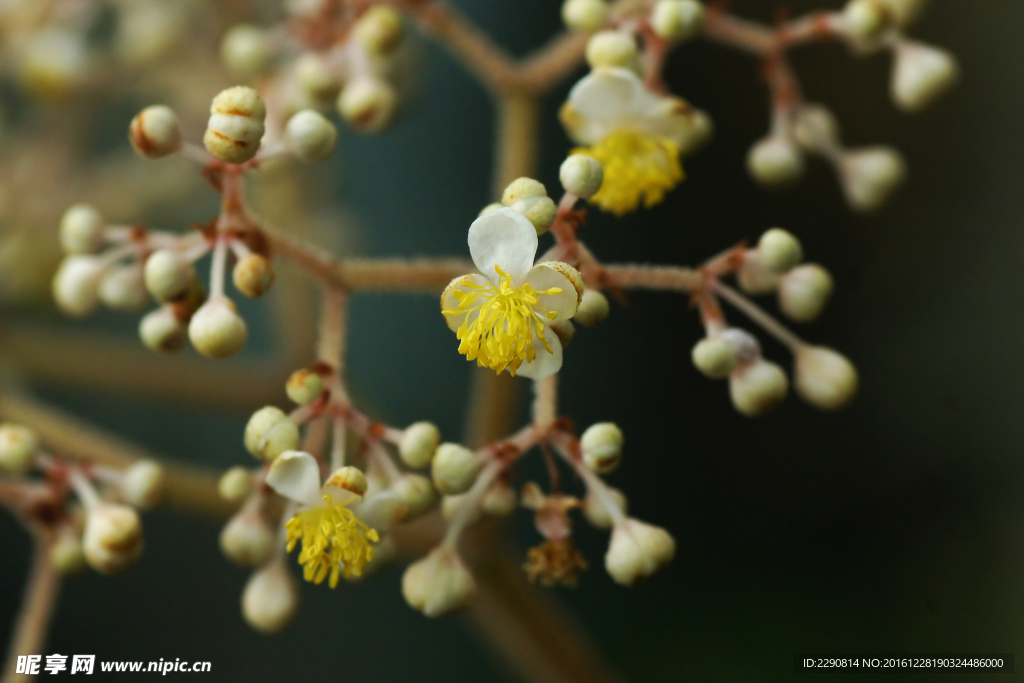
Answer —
501 334
555 563
333 540
637 166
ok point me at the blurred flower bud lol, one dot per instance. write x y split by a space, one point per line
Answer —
697 134
755 278
349 479
247 539
253 275
804 291
490 208
81 230
816 129
454 468
143 484
123 288
921 74
155 132
602 446
522 188
438 583
315 78
637 550
162 331
757 388
585 16
565 330
611 48
310 136
235 484
714 357
418 444
597 512
235 128
18 448
581 175
450 506
246 50
870 175
379 29
540 211
825 378
779 250
593 308
113 537
904 11
167 274
270 598
368 104
775 162
864 20
304 387
416 492
54 61
499 501
748 349
216 330
269 433
66 553
677 19
76 285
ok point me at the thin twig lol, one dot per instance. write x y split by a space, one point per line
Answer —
37 609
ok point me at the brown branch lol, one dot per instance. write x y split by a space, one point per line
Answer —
33 622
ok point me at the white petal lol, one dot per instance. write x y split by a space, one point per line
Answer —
381 510
608 95
450 303
504 238
296 476
545 364
563 276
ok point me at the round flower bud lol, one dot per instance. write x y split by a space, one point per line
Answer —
253 276
522 188
715 357
581 175
451 505
315 78
416 492
585 16
235 484
54 60
304 387
454 468
864 20
755 278
379 29
143 484
921 74
235 128
757 388
76 285
81 230
748 349
904 11
565 330
697 134
247 539
540 211
637 550
602 446
490 208
123 288
310 136
368 104
779 250
66 553
677 19
816 129
418 444
499 501
611 48
155 132
246 50
18 448
348 478
269 433
113 537
270 598
216 330
167 274
593 308
775 162
438 583
597 512
162 331
824 378
804 291
870 176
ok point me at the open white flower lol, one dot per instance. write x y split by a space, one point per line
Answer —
503 316
637 135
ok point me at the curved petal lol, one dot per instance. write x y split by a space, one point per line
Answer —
381 511
503 238
449 302
556 274
609 94
296 476
545 364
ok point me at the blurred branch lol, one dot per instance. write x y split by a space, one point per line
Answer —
29 635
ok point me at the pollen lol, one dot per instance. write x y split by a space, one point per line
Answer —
334 541
501 333
638 167
555 563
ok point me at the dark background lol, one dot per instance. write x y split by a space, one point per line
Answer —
895 526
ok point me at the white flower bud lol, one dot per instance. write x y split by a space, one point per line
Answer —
522 188
235 128
155 132
921 74
270 598
18 448
585 16
143 484
775 162
253 276
597 512
697 134
602 446
235 484
76 285
454 468
714 357
870 175
269 433
864 20
304 387
490 208
439 583
748 349
816 129
904 11
379 29
677 19
348 478
541 211
757 388
755 278
66 553
315 78
368 104
499 501
310 136
162 331
593 308
419 441
123 288
611 48
416 492
804 291
167 274
779 250
581 175
824 378
247 539
81 230
113 537
54 60
216 330
637 550
450 506
246 50
565 330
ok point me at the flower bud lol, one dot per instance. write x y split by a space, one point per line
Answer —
246 50
438 583
349 479
522 188
904 11
310 136
54 60
76 285
593 308
113 537
816 129
123 288
602 446
162 331
697 134
565 331
81 230
143 484
247 539
597 512
755 278
216 330
585 16
637 550
379 29
540 211
825 378
775 162
499 501
270 598
864 20
66 553
315 78
18 448
253 276
677 19
921 74
235 128
304 387
779 250
235 484
757 388
870 176
155 132
611 48
167 274
368 104
269 433
418 444
416 492
714 357
581 175
454 468
804 291
490 208
450 506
